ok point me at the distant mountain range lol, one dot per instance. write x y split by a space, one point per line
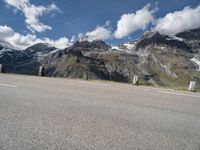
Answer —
157 59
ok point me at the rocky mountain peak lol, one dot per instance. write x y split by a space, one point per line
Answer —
151 38
156 39
190 34
41 47
153 34
94 45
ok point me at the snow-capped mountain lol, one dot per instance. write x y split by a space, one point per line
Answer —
24 61
6 45
125 47
40 50
6 48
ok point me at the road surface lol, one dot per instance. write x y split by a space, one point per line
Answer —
38 113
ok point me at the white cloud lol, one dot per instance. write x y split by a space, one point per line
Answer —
61 43
132 22
5 32
81 36
23 41
73 39
99 33
32 13
178 21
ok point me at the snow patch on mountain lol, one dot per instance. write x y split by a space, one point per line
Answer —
7 45
129 46
162 47
41 55
167 69
197 61
54 51
7 50
175 38
116 48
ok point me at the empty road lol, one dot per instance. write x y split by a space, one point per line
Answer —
38 113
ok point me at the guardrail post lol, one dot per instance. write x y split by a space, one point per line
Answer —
192 86
2 70
135 80
41 71
85 75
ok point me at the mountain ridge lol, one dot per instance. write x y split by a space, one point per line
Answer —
157 59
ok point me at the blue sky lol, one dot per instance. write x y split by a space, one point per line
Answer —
72 17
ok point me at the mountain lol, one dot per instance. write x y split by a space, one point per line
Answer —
192 38
24 61
157 59
10 55
190 35
6 45
94 58
168 61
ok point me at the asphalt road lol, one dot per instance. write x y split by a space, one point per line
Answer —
47 113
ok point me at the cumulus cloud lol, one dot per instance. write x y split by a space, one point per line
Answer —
5 32
32 13
23 41
99 33
132 22
178 21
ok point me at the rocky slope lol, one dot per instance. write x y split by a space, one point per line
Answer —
157 60
24 61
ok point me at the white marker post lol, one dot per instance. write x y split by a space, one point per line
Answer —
85 76
41 71
135 80
192 86
1 68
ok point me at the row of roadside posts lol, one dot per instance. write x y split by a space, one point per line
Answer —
85 76
191 88
41 71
